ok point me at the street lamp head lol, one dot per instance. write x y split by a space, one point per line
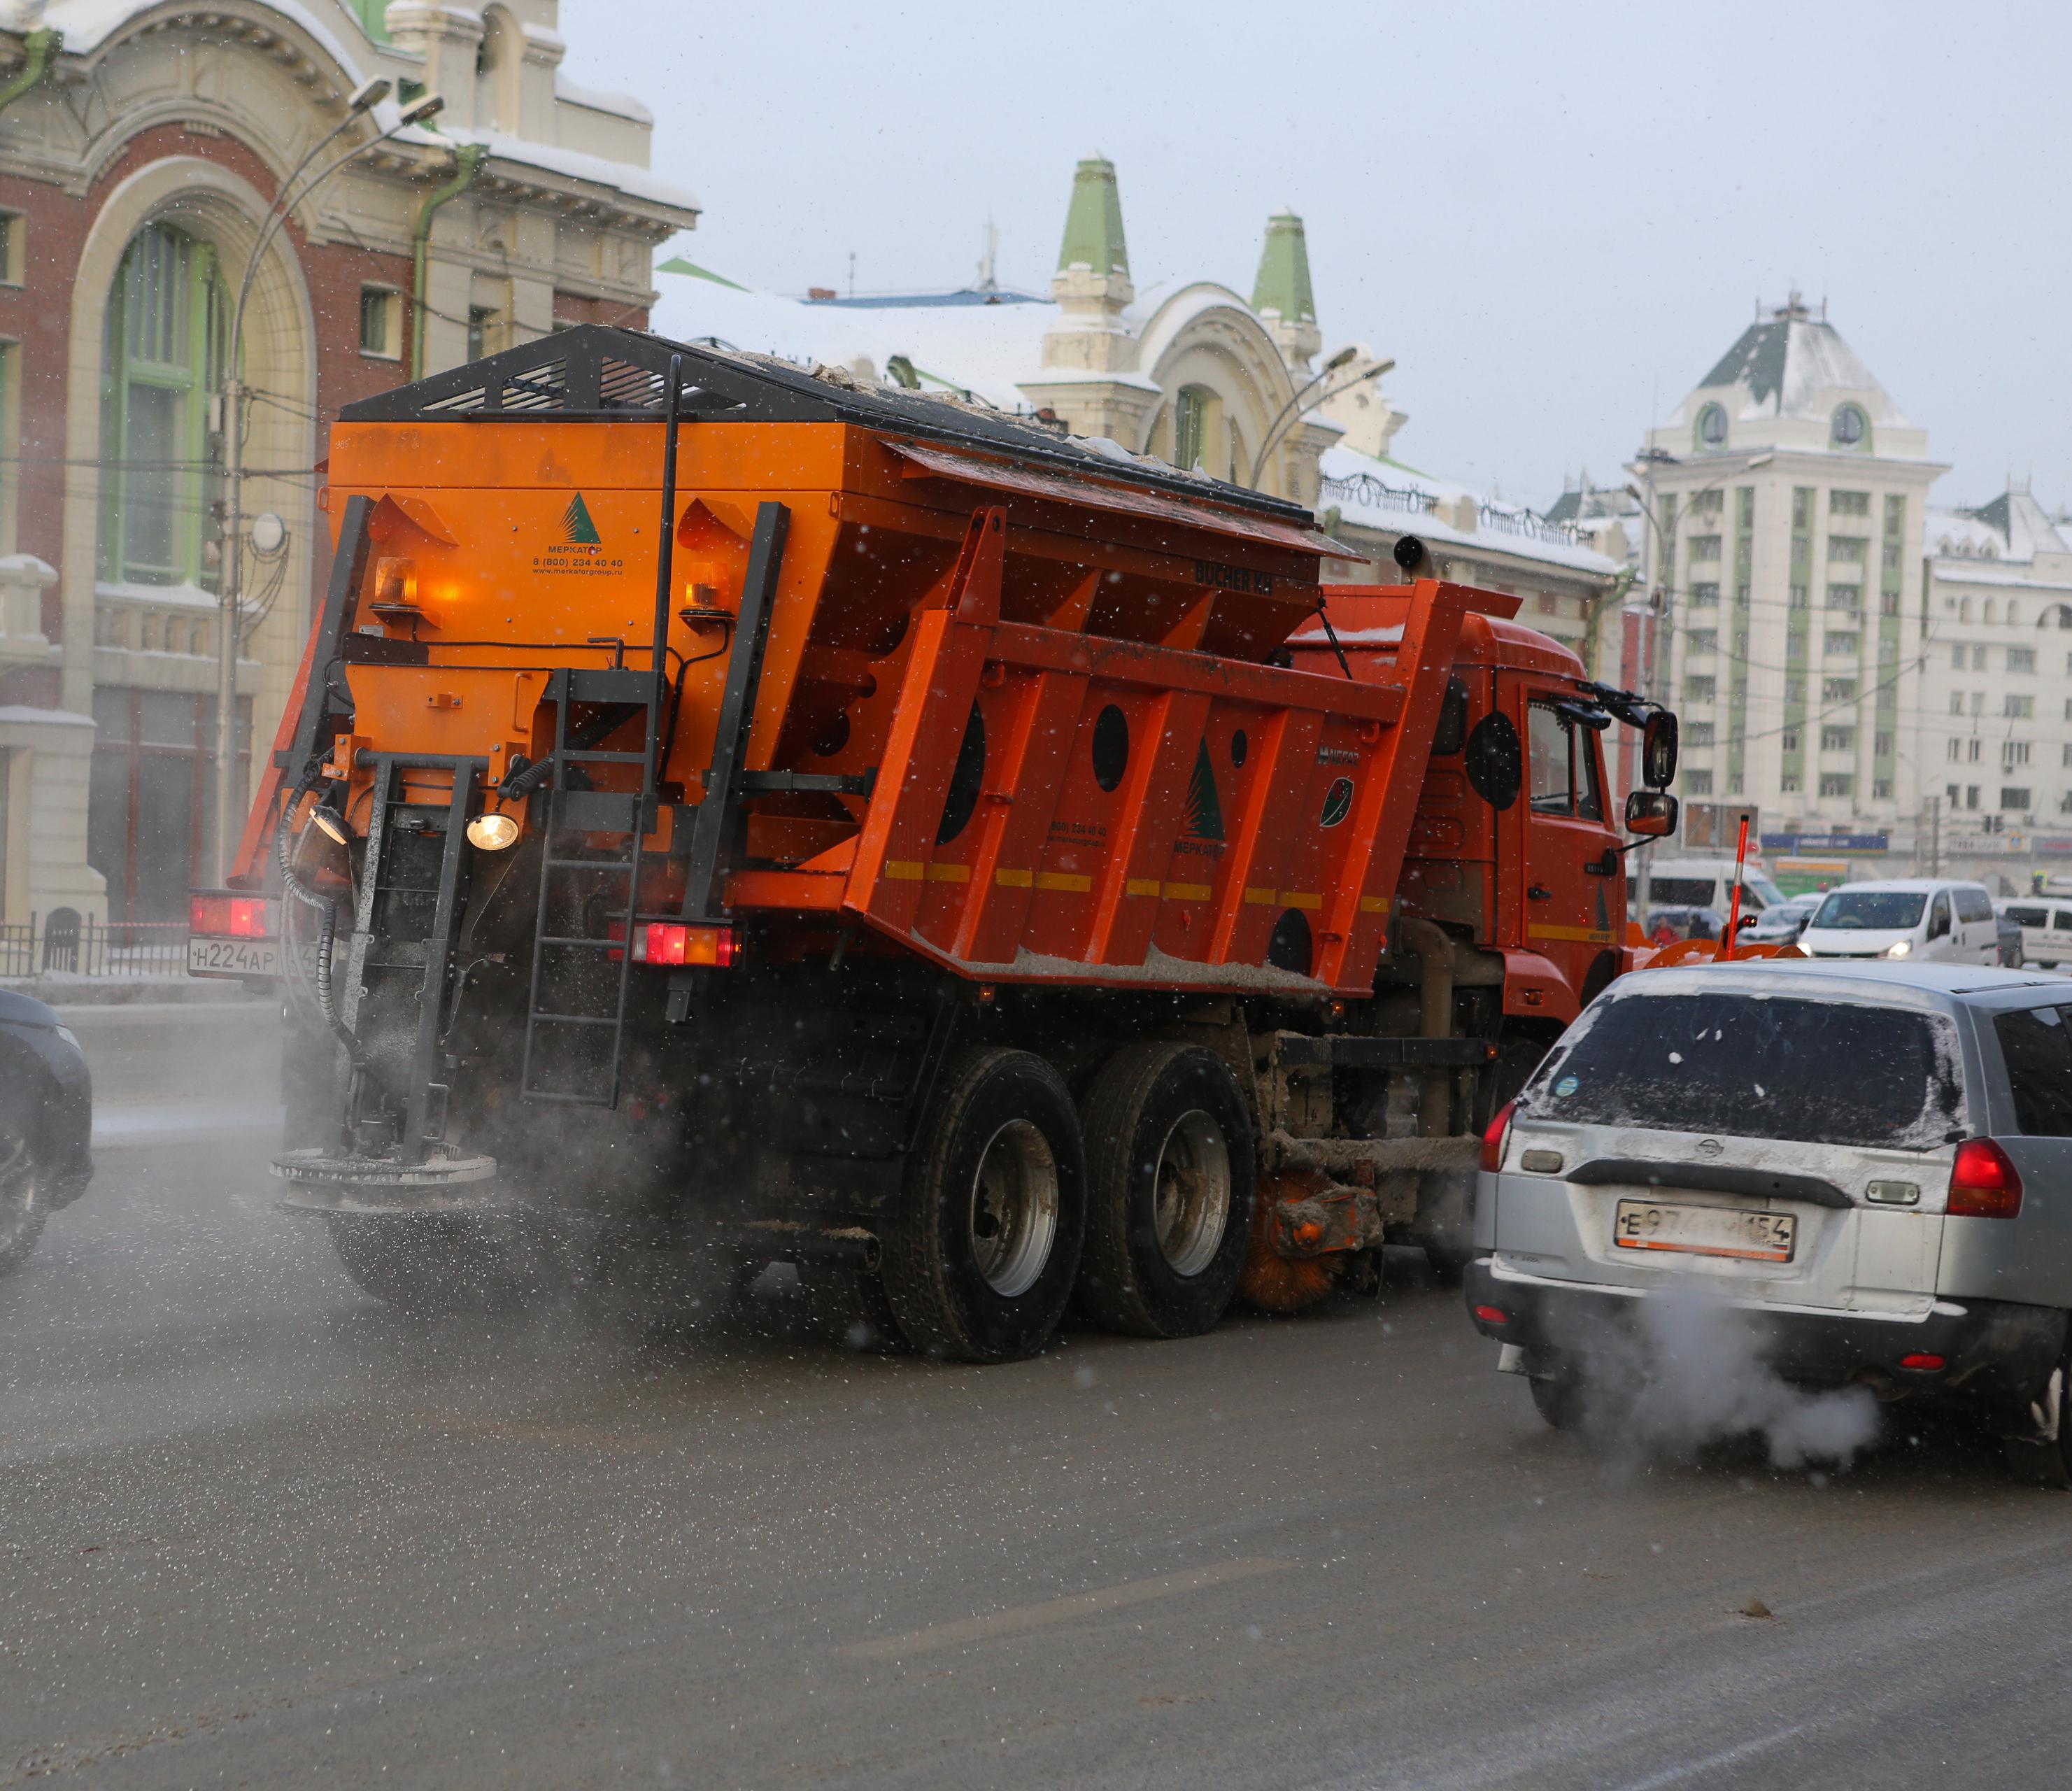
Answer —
370 93
418 111
1344 355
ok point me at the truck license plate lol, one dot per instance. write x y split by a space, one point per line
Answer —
233 957
1705 1230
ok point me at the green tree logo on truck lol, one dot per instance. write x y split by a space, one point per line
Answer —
577 527
578 548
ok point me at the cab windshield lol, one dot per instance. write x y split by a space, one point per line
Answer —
1888 908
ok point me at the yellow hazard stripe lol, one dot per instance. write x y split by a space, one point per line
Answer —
1300 898
1262 898
1069 882
1186 893
904 870
1374 904
1140 886
1013 879
1587 936
949 873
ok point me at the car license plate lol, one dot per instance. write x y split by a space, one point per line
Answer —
1705 1230
233 956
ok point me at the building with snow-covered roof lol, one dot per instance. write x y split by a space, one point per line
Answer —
1191 371
1783 502
143 144
1995 721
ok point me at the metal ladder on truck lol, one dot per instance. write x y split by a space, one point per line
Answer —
575 1012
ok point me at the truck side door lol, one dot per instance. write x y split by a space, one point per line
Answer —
1574 910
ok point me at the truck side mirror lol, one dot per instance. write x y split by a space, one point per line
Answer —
1657 751
1652 813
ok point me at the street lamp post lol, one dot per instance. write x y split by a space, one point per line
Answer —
1662 570
1662 576
232 399
1295 405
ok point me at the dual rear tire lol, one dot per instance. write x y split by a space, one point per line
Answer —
1138 1207
1170 1157
980 1261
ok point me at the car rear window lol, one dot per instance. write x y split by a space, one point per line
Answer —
1680 891
1757 1066
2037 1045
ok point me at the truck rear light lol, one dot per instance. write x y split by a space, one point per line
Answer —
1922 1362
1492 1315
665 942
1494 1139
230 917
1984 1184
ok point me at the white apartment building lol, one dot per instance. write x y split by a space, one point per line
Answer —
1996 719
1784 500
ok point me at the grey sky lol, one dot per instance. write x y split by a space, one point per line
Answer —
1553 216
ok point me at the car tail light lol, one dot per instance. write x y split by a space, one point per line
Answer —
1492 1315
1983 1184
665 942
1922 1362
221 916
1495 1138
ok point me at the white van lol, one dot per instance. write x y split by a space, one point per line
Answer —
1922 917
2046 929
1708 882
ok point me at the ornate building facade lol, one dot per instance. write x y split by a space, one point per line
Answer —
143 149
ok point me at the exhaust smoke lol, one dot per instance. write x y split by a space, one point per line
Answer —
1689 1371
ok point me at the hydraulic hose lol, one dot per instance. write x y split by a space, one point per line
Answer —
326 1004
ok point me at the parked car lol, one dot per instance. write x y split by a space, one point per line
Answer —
1781 925
1916 918
46 1122
2046 930
2008 932
1864 1161
1708 882
1665 925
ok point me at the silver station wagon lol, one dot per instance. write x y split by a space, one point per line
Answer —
1869 1165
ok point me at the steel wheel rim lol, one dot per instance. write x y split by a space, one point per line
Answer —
1012 1220
1191 1192
17 1185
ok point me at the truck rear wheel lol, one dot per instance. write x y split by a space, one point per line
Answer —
979 1263
428 1265
1169 1185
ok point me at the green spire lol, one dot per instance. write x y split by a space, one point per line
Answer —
1283 284
1093 226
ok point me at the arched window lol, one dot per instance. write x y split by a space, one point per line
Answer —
1851 428
1196 417
1964 610
162 358
1992 609
2014 614
1712 427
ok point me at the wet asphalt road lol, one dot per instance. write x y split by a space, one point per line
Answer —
256 1529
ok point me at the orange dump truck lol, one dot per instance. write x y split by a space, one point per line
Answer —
729 808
